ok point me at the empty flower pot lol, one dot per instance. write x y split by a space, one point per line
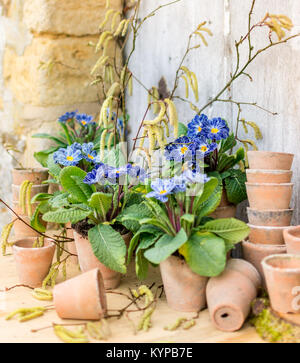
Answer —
269 176
282 274
268 160
265 196
22 230
229 295
33 264
255 253
82 297
88 261
292 240
266 235
35 176
36 189
184 289
274 218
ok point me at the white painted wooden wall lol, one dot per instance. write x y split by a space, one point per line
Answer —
276 74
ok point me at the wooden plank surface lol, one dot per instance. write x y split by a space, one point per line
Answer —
122 330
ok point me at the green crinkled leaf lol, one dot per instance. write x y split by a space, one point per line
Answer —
205 253
131 216
141 265
109 247
35 220
235 186
66 215
41 197
189 218
182 129
230 229
102 202
54 169
227 144
165 247
42 156
59 200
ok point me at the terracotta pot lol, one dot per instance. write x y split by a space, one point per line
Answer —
36 189
82 297
36 176
88 261
184 289
18 209
22 230
71 246
292 240
282 274
255 253
269 196
269 176
33 264
225 208
274 218
229 296
268 160
266 235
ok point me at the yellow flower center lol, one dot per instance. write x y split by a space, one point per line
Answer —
184 149
199 129
215 130
70 158
117 172
204 148
163 192
69 120
83 123
90 157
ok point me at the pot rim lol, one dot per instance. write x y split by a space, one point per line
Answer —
269 152
276 228
268 171
249 265
293 229
267 266
264 246
34 186
26 170
270 184
28 239
279 211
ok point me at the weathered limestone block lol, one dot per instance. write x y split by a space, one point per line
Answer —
73 17
66 82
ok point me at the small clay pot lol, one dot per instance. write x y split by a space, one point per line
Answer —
269 176
282 274
88 261
224 212
36 189
82 297
268 160
264 196
19 210
35 176
71 246
184 289
33 264
255 253
266 235
229 295
22 230
270 218
291 237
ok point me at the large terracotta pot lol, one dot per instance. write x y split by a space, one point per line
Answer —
33 264
35 176
225 208
36 189
269 176
292 240
269 196
274 218
255 253
88 261
82 297
268 160
21 230
266 235
184 289
282 274
229 296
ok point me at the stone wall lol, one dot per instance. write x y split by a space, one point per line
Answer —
35 32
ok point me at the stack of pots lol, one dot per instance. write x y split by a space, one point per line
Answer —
37 177
269 190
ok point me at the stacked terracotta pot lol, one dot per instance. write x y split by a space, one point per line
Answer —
269 190
35 176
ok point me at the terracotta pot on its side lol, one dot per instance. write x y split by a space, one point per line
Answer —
292 240
82 297
229 296
33 264
255 253
274 218
264 196
88 261
266 235
269 176
282 274
35 176
225 208
184 289
268 160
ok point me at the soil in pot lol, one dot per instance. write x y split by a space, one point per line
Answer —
184 289
282 274
33 264
269 176
266 235
268 160
274 218
35 176
292 240
82 297
229 296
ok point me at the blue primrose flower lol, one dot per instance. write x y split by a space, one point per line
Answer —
68 116
180 184
89 154
195 177
97 175
216 129
161 189
137 173
197 125
84 120
204 148
69 156
182 149
114 173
